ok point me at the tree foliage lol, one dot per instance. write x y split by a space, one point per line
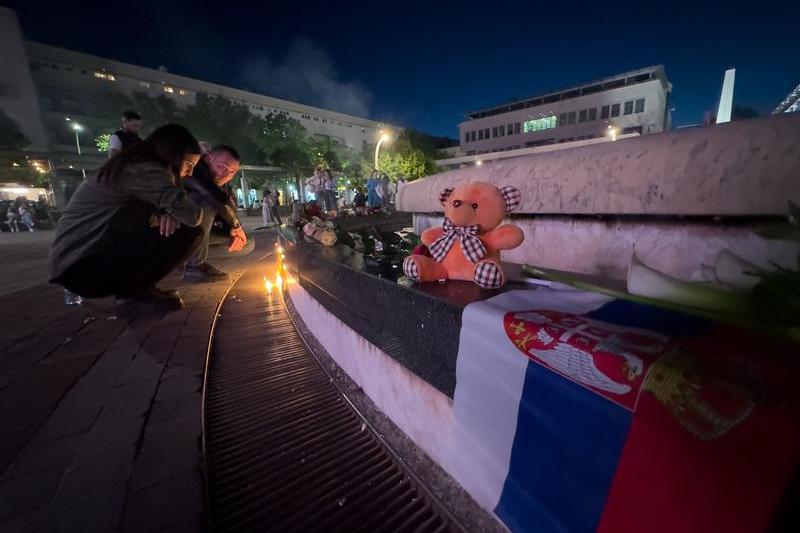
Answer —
411 155
102 141
11 136
217 120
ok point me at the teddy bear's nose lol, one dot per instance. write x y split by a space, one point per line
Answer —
457 203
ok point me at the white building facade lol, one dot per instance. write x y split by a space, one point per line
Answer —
790 104
60 83
630 102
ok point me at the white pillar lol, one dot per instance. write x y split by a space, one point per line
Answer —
726 98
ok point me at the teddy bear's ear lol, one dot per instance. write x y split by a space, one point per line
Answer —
445 194
511 196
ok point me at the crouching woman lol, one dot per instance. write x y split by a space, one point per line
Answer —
131 224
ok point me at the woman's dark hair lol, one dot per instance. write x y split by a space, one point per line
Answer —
167 145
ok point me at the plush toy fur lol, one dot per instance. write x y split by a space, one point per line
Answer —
478 204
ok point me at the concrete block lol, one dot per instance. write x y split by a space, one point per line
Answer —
747 167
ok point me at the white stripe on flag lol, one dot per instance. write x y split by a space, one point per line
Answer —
490 374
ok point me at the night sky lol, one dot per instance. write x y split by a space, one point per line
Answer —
425 64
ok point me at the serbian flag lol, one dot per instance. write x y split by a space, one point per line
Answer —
579 412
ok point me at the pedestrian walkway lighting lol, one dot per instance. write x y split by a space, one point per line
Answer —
279 282
78 128
612 132
384 138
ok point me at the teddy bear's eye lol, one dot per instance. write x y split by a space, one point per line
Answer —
475 207
457 203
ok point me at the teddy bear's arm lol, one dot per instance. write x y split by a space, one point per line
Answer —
430 235
503 237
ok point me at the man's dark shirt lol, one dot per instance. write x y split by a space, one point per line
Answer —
204 191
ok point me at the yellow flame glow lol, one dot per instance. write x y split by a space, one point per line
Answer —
268 285
279 281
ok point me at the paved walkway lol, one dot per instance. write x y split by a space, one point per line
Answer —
100 418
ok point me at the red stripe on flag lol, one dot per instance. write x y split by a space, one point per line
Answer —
694 459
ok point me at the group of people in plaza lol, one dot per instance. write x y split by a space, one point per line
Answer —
20 216
151 207
147 211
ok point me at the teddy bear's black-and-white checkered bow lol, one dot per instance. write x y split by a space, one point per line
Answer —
471 245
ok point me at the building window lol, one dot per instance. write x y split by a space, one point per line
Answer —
480 135
104 76
629 107
516 128
144 84
592 114
582 116
502 130
466 137
169 89
510 129
494 131
604 111
539 124
639 105
562 119
472 136
615 110
571 117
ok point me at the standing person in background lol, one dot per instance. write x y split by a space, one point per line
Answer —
373 199
26 216
360 201
207 189
329 194
127 135
316 183
275 204
265 208
132 224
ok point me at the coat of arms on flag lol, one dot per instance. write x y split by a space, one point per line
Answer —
608 359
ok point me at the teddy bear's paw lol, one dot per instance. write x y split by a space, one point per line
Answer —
410 268
488 275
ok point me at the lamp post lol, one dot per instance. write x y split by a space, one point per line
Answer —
78 128
384 138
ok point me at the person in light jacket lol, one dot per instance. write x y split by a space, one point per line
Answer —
131 224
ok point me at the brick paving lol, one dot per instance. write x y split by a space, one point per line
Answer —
100 420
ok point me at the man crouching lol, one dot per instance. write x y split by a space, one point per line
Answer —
207 189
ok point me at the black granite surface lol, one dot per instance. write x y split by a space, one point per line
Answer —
419 326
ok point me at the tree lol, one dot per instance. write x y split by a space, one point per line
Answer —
285 143
155 111
102 141
11 136
217 120
411 155
742 111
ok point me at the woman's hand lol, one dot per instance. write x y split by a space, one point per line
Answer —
168 225
238 240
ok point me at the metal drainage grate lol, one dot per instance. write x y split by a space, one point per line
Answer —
284 450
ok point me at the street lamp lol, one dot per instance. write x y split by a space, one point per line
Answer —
384 138
78 128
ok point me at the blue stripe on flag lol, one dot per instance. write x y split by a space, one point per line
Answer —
627 313
565 452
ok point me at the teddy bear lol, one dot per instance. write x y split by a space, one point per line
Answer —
467 246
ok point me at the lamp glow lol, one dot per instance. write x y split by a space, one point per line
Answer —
384 138
268 285
279 281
